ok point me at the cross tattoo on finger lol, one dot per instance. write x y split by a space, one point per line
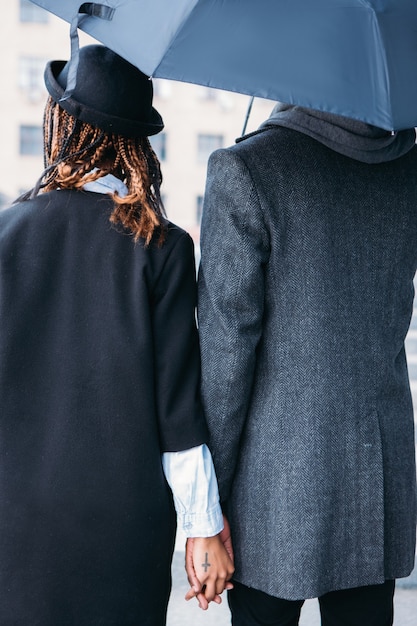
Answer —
206 564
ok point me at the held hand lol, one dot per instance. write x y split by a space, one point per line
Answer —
226 538
209 568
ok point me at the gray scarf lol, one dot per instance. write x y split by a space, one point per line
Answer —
352 138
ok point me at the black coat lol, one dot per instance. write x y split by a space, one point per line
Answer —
99 370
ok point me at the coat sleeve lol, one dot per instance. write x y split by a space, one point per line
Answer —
176 352
234 250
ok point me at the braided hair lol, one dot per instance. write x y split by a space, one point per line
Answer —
76 153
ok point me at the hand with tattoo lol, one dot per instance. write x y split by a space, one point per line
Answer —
209 565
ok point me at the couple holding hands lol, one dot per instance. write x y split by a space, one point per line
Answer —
113 407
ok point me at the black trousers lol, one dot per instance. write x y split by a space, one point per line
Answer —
362 606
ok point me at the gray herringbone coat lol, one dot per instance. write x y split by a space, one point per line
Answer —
305 298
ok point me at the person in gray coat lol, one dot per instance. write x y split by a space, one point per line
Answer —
308 256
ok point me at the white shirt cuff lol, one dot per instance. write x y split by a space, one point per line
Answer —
191 476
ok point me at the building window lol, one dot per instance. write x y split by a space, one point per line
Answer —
30 74
199 209
206 144
31 140
30 12
159 144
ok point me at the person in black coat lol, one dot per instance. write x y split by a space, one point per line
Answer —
99 370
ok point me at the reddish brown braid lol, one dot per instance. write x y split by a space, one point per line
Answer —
72 149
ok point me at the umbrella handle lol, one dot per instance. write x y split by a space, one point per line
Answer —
92 9
247 114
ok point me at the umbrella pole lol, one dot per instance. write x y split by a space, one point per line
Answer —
247 114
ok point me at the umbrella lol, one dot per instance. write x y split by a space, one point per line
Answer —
356 58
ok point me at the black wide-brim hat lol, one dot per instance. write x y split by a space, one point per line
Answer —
110 93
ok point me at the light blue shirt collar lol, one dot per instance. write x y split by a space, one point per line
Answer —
107 184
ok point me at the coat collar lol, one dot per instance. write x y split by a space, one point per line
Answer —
353 138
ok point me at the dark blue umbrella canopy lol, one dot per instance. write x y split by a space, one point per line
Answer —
356 58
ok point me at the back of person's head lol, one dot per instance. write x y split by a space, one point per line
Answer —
101 128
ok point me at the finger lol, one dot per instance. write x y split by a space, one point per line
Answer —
191 575
210 591
190 594
202 601
220 585
194 582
